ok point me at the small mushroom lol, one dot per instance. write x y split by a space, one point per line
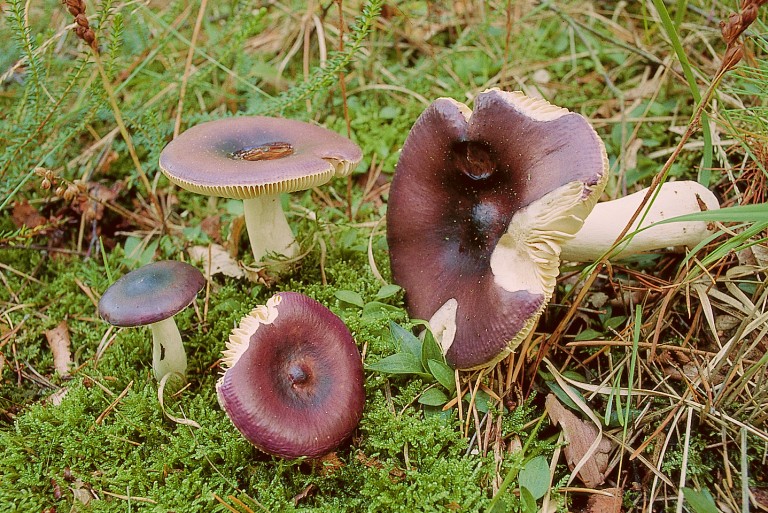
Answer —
608 219
152 295
293 384
478 209
255 159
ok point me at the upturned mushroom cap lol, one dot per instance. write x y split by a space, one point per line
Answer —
478 207
244 157
293 384
151 293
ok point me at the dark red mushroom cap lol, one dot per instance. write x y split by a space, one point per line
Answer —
244 157
151 293
294 380
478 207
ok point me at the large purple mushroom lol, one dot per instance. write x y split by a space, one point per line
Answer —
479 207
293 384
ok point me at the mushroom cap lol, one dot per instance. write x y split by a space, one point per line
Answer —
294 379
477 210
244 157
151 293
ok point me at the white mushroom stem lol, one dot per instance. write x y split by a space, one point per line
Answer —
604 224
168 353
268 229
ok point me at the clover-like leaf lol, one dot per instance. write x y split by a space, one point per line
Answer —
399 363
443 374
534 477
433 397
351 297
404 340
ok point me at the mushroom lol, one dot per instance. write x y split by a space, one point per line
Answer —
293 384
255 159
478 209
152 295
492 199
606 222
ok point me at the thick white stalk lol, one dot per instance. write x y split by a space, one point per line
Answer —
609 218
268 229
168 353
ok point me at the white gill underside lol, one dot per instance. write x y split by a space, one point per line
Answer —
443 324
527 257
241 335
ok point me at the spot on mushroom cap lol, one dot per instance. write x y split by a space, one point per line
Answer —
213 157
151 293
479 205
294 379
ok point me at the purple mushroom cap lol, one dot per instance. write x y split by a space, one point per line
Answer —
294 380
151 293
243 157
479 205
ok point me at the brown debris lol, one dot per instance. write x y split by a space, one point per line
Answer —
26 215
214 260
580 436
601 503
59 342
327 464
306 492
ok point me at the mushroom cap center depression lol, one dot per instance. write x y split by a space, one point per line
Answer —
485 206
296 379
266 151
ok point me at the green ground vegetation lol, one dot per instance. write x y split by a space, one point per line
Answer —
676 382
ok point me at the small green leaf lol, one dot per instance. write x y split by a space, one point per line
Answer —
399 363
350 297
527 501
534 477
701 501
443 374
615 322
433 397
482 400
404 340
564 398
377 310
430 350
388 290
588 334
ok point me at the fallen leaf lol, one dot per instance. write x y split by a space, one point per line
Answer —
25 214
601 503
580 436
57 397
220 261
327 464
81 492
58 341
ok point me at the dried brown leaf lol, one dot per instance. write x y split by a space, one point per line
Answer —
25 214
580 436
328 464
216 260
600 503
59 342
